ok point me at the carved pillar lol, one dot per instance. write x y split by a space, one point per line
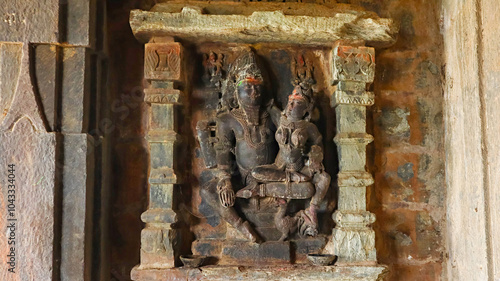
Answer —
160 239
353 238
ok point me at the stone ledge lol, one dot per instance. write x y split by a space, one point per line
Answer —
263 26
292 272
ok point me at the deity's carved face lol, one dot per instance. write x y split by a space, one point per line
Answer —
297 106
250 91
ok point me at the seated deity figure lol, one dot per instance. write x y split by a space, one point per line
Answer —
298 171
244 130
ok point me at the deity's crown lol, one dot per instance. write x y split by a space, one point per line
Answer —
245 67
299 93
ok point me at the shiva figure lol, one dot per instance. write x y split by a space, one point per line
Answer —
244 132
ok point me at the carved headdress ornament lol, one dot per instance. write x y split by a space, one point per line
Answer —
306 95
244 68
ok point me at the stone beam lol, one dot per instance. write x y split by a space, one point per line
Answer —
263 26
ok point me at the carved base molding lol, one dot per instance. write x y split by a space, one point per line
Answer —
292 272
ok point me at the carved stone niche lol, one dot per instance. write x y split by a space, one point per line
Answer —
255 108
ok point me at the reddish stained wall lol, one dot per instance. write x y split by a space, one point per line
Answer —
406 157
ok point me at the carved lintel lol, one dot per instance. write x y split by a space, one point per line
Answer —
262 26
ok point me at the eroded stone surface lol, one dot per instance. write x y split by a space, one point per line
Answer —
262 26
22 21
77 198
33 154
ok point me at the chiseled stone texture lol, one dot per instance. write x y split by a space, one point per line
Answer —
33 154
77 199
263 26
29 21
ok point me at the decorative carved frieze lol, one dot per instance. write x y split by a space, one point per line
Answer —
342 97
165 96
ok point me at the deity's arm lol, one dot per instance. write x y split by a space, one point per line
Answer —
275 114
316 149
224 149
225 146
315 137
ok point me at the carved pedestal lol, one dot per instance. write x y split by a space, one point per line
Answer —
353 238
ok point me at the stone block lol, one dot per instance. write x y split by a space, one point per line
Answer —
247 253
75 89
10 67
352 198
207 247
30 21
352 157
167 216
152 240
158 247
309 245
253 24
264 273
163 117
163 154
354 245
15 64
45 73
77 206
161 196
28 212
351 118
80 22
162 61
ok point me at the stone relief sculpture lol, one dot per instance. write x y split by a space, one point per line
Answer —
249 128
213 64
259 164
244 130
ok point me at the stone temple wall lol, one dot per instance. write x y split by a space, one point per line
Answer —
406 158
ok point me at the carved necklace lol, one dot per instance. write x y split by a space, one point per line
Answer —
254 134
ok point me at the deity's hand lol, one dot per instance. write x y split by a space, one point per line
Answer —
226 193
